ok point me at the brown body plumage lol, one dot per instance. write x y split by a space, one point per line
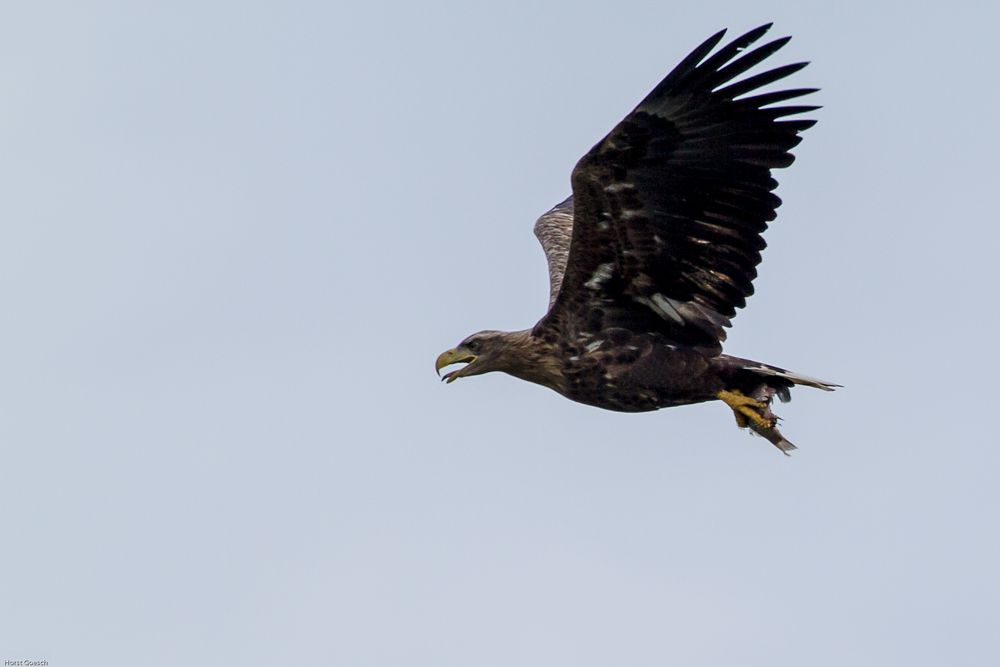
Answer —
657 248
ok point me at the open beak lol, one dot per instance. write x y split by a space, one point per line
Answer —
457 355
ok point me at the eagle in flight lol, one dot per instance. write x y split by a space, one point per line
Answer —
658 246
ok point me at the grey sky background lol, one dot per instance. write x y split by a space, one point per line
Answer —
237 234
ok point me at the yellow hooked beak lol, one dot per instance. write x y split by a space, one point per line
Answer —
458 355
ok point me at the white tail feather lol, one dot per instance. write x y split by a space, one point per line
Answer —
794 377
765 370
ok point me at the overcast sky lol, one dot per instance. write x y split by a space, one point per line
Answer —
235 235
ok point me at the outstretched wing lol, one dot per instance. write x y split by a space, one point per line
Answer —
670 206
554 231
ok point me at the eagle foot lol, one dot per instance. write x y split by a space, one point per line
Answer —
748 411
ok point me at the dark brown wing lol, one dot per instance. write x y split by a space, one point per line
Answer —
670 206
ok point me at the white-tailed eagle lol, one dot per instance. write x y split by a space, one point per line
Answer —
657 248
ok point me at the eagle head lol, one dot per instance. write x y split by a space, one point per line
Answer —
481 353
517 353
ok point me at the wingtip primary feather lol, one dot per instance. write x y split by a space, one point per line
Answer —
745 62
756 81
688 64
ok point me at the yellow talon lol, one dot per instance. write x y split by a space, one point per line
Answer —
746 409
735 399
